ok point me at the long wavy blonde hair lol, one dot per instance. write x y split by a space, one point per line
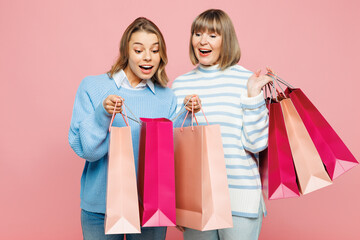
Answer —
142 24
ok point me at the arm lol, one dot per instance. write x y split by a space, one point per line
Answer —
255 114
88 134
255 123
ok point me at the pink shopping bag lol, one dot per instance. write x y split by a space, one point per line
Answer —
202 193
335 155
156 174
276 163
310 171
122 209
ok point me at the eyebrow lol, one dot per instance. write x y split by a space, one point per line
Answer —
157 43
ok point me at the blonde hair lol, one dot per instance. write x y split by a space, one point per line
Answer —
142 24
217 21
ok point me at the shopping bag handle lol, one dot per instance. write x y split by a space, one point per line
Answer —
135 119
277 80
272 74
124 117
181 111
267 88
193 114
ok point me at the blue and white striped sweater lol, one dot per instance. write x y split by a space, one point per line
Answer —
244 127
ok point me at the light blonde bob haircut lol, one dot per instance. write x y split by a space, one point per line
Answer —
142 24
217 21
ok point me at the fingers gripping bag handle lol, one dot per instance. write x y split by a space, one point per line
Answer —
193 114
113 115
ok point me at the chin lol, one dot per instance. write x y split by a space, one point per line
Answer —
205 63
146 76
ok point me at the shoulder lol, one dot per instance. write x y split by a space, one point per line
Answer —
240 70
94 81
189 76
95 87
186 75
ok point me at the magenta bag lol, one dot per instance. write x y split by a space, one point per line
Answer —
156 173
276 163
335 155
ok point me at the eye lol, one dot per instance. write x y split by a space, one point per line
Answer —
137 51
155 51
197 34
213 35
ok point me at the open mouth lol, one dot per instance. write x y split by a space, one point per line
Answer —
204 52
145 67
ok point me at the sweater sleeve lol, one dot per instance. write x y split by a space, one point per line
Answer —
173 110
88 134
255 123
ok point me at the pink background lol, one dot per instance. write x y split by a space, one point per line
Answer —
48 47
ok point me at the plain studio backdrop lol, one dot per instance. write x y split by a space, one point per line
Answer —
48 47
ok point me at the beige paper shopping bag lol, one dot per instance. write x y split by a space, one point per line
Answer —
122 208
310 171
202 193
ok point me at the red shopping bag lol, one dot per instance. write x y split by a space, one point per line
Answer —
276 162
335 155
156 174
122 209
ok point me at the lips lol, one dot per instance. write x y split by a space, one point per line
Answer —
204 52
146 69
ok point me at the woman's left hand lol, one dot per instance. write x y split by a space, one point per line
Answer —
256 82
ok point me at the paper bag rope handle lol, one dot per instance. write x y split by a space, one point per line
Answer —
113 115
193 114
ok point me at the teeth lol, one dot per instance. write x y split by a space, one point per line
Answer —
146 67
205 51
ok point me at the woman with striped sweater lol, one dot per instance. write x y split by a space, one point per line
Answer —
231 96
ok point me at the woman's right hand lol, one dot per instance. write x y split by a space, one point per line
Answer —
109 104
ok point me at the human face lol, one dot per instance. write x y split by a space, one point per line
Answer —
144 57
207 47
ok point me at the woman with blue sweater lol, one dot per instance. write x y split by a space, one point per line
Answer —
138 77
231 96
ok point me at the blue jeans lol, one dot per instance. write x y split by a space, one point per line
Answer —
244 229
93 229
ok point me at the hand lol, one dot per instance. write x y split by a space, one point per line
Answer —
193 99
256 82
180 228
109 104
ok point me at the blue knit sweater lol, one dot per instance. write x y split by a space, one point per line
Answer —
89 137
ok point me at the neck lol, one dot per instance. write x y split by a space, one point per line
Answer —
133 79
209 67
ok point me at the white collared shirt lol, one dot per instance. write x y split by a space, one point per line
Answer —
121 80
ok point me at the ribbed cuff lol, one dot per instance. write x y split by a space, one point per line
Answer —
252 102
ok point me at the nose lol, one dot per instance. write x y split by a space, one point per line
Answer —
147 56
203 39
